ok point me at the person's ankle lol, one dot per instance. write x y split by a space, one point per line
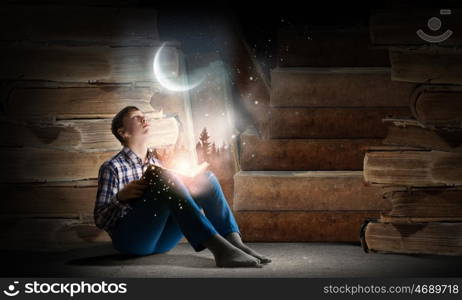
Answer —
217 244
234 238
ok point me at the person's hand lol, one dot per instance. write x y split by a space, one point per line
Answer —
132 190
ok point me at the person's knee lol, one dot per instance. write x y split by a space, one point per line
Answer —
210 174
164 249
212 178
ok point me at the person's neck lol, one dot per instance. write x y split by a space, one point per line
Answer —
140 149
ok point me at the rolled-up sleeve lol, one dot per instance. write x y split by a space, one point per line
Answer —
107 207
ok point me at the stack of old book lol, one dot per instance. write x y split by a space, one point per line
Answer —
61 85
420 168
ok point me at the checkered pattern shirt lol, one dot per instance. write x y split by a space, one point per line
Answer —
113 175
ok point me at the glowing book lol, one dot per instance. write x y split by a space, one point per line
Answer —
154 171
189 171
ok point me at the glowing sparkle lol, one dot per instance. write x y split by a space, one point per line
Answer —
183 166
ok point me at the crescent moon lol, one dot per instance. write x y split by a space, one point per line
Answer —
167 82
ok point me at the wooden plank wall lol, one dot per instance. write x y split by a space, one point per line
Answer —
66 70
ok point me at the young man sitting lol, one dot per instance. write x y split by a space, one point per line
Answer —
144 223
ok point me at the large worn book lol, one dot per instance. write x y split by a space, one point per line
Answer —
425 203
49 234
38 101
412 133
66 199
306 191
302 225
324 122
337 87
50 165
258 154
95 64
438 105
426 64
413 168
86 135
442 238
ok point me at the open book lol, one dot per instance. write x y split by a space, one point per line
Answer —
155 170
190 171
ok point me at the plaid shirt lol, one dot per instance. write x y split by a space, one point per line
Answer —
114 174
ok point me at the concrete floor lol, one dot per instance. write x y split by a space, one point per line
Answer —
289 260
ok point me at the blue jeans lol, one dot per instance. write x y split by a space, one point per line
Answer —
158 222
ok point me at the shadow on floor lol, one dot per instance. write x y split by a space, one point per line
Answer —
180 260
289 260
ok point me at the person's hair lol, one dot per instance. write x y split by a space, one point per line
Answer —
118 122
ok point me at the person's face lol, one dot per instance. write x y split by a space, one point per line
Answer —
136 126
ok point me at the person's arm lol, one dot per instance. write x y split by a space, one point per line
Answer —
108 208
158 162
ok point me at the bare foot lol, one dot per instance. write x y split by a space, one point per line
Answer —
235 239
234 257
263 259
